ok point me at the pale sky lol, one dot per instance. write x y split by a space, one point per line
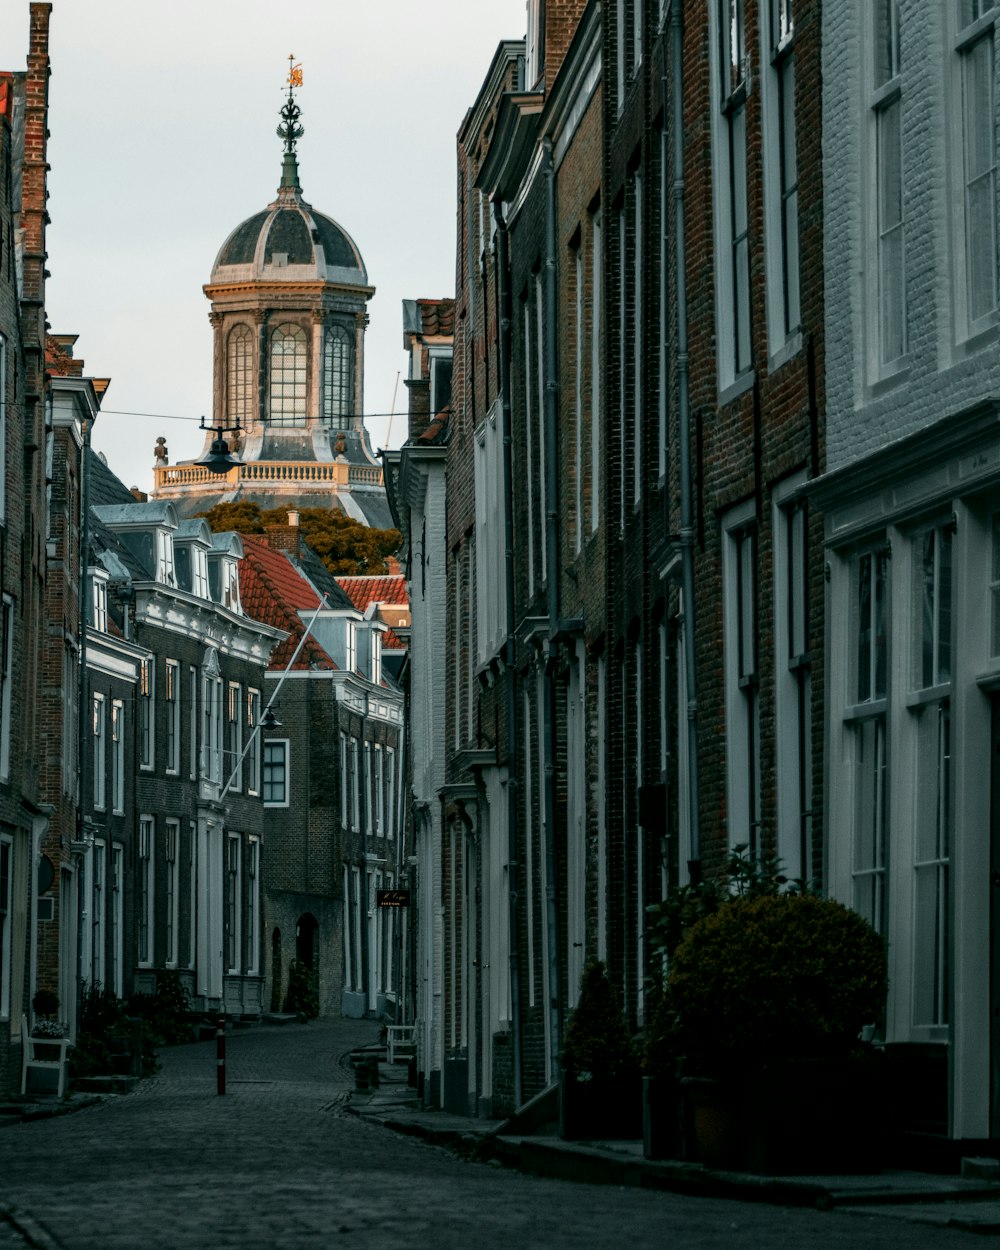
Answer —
162 116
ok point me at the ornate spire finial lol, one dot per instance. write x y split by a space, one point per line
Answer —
290 130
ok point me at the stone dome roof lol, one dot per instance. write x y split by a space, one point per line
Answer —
288 241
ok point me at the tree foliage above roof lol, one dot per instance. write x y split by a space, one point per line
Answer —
346 547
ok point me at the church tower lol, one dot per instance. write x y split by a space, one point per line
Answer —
289 294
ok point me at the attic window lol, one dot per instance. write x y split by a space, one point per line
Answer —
100 599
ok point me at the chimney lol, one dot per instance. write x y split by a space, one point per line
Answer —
293 518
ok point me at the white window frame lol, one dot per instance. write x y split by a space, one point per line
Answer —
390 787
367 814
99 594
172 889
233 753
172 697
100 758
379 783
792 678
253 905
734 327
741 665
117 918
98 883
596 382
117 757
491 582
283 765
355 761
253 757
6 682
781 214
345 781
973 33
234 900
193 753
146 695
145 896
6 922
888 342
348 953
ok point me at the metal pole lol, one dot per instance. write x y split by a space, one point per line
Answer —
274 695
220 1056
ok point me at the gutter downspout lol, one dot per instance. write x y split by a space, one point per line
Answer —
81 848
687 533
552 595
510 646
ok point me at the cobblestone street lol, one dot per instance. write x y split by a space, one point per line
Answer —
277 1163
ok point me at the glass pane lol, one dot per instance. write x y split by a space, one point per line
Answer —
980 176
927 570
944 607
881 640
886 44
864 634
890 229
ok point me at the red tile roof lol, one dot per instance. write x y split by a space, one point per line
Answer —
391 641
437 316
274 593
382 588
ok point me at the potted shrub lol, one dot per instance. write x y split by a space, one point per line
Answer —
599 1090
771 994
663 1135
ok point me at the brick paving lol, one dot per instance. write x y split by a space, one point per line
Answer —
276 1163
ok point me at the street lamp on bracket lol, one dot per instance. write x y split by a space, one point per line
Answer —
219 459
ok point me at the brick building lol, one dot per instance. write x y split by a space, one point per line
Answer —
912 536
714 298
332 787
23 822
416 485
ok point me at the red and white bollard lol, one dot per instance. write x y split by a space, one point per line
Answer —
220 1055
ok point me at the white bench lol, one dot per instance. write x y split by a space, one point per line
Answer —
53 1047
400 1043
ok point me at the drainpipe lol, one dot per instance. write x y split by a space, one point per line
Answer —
552 595
687 532
510 649
84 608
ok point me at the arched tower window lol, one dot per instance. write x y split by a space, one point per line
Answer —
239 375
288 375
338 376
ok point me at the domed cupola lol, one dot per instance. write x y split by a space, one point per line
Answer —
289 293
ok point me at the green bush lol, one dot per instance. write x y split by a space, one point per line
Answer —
597 1040
303 991
167 1012
105 1036
777 976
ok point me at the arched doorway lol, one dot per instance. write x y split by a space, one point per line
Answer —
307 941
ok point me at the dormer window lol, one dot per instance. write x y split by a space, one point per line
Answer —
376 673
99 597
165 558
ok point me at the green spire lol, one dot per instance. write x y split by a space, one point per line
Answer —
290 130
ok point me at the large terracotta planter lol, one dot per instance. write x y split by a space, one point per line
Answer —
663 1134
600 1108
792 1118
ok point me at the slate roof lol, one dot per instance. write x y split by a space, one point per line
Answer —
106 489
272 591
313 568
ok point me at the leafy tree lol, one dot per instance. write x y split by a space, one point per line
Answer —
345 546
